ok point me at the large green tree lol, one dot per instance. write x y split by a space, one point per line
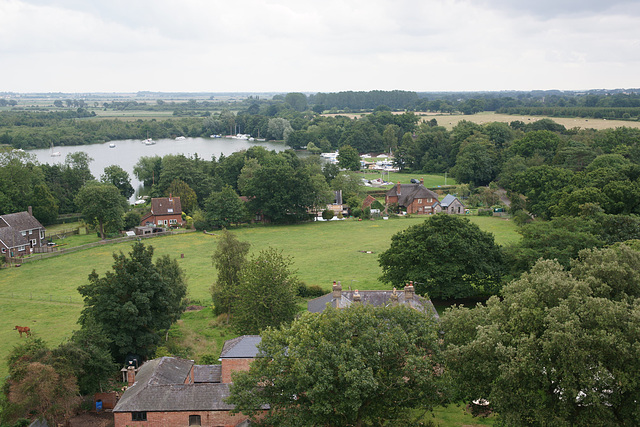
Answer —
354 367
446 256
348 158
559 348
266 294
225 208
119 177
229 258
136 301
102 205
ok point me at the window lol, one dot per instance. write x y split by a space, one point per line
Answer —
165 222
138 416
419 201
30 231
24 233
160 223
41 234
194 420
173 221
33 243
4 250
170 210
429 200
21 248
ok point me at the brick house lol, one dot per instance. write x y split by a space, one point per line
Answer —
165 212
415 198
170 391
340 298
451 205
20 233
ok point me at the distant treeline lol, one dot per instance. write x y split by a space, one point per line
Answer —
591 112
395 99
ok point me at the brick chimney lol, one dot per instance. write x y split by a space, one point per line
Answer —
337 290
409 292
356 296
131 374
30 210
398 191
422 181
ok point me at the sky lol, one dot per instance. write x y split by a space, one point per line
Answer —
284 46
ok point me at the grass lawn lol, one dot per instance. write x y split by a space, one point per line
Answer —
43 294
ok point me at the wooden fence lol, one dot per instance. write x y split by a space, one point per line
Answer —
62 251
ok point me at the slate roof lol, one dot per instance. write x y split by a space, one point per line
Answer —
244 347
207 373
448 200
166 206
12 238
159 386
20 221
409 192
375 298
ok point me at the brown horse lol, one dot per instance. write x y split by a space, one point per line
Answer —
24 329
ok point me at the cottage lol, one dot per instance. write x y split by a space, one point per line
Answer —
20 233
451 205
165 212
415 198
340 298
171 391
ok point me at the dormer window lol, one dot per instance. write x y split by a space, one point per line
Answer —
170 210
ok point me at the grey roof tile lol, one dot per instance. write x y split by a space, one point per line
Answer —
245 347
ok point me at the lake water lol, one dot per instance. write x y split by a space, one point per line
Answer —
127 152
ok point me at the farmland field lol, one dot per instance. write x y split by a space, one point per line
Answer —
43 294
450 120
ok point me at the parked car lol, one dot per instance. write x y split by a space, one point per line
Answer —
414 181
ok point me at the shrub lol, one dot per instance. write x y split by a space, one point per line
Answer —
327 214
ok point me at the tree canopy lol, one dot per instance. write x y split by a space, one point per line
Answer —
136 301
446 256
229 258
559 348
359 366
103 205
266 293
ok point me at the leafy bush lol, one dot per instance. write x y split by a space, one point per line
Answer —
327 214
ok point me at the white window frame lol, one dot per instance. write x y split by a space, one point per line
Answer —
22 248
34 243
24 233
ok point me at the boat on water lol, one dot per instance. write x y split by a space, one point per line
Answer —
112 145
148 141
180 138
241 136
216 136
55 153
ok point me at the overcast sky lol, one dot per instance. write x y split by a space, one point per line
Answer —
317 46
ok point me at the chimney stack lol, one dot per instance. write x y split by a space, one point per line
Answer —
398 191
422 181
337 290
131 374
30 210
356 296
408 292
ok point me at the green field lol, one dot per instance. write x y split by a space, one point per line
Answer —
43 294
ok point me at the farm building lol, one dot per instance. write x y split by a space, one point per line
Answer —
20 234
340 298
415 198
170 391
165 212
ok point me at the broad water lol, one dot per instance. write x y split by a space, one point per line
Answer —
126 153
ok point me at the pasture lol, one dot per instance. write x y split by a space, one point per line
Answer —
43 294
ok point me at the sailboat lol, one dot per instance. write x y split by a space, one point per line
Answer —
54 153
148 141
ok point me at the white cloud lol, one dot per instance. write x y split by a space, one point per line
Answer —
290 45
